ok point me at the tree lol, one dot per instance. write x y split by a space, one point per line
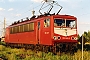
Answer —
88 36
85 34
84 40
78 36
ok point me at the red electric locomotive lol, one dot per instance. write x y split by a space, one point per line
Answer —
58 32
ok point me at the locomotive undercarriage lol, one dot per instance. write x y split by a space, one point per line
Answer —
56 49
66 47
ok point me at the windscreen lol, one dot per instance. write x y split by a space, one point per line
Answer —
59 22
65 23
71 23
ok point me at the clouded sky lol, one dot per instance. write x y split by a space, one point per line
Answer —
14 10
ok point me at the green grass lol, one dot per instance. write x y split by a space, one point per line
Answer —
22 54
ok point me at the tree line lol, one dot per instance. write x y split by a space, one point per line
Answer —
86 37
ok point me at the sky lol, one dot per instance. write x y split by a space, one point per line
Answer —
14 10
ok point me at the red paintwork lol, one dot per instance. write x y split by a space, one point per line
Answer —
66 39
45 35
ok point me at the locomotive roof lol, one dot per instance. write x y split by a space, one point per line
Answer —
34 18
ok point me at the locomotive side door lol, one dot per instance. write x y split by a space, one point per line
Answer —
38 32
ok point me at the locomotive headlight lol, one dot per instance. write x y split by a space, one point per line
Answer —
55 38
74 38
58 37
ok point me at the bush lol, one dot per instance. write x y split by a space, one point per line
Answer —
2 48
22 54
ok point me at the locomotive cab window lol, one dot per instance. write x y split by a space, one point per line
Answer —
71 23
59 22
46 22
